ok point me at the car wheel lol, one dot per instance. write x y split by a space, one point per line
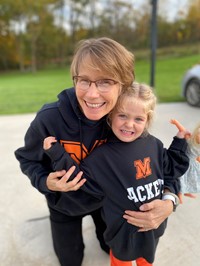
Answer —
193 92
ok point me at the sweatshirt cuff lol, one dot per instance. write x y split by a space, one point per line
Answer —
179 144
43 187
55 152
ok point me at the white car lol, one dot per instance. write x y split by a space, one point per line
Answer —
191 86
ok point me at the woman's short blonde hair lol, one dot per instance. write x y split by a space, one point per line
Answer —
137 93
108 56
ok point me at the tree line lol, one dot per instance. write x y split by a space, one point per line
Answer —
34 34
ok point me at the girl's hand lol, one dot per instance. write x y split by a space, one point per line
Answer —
183 134
47 143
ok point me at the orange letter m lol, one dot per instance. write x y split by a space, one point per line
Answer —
143 169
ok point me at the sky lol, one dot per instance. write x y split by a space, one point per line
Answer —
170 7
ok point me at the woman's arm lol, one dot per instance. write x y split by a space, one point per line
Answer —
35 164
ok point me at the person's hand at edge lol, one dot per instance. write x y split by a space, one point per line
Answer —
189 195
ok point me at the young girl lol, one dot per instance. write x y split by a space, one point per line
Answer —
132 168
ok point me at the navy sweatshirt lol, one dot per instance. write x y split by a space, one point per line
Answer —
64 120
125 176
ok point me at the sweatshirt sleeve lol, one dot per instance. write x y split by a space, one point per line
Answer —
92 186
60 160
33 162
176 163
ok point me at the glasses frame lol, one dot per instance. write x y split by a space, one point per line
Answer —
95 82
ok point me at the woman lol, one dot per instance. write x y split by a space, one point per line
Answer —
101 70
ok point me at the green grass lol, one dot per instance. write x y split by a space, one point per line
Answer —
169 73
27 92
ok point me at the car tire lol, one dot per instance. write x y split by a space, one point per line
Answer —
192 93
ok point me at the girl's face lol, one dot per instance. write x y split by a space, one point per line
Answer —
95 100
129 123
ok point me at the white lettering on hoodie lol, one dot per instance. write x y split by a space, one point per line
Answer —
146 192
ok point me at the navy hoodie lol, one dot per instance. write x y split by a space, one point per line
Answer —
125 176
63 120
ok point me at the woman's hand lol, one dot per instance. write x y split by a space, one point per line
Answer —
151 215
57 181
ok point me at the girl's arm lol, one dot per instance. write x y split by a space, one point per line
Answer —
72 179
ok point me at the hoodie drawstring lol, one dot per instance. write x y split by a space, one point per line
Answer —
81 138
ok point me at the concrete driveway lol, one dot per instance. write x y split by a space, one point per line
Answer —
25 231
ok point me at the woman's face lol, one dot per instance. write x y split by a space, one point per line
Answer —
95 101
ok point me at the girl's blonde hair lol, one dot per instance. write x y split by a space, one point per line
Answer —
193 138
137 93
108 56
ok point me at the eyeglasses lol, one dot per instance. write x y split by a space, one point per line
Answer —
103 85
